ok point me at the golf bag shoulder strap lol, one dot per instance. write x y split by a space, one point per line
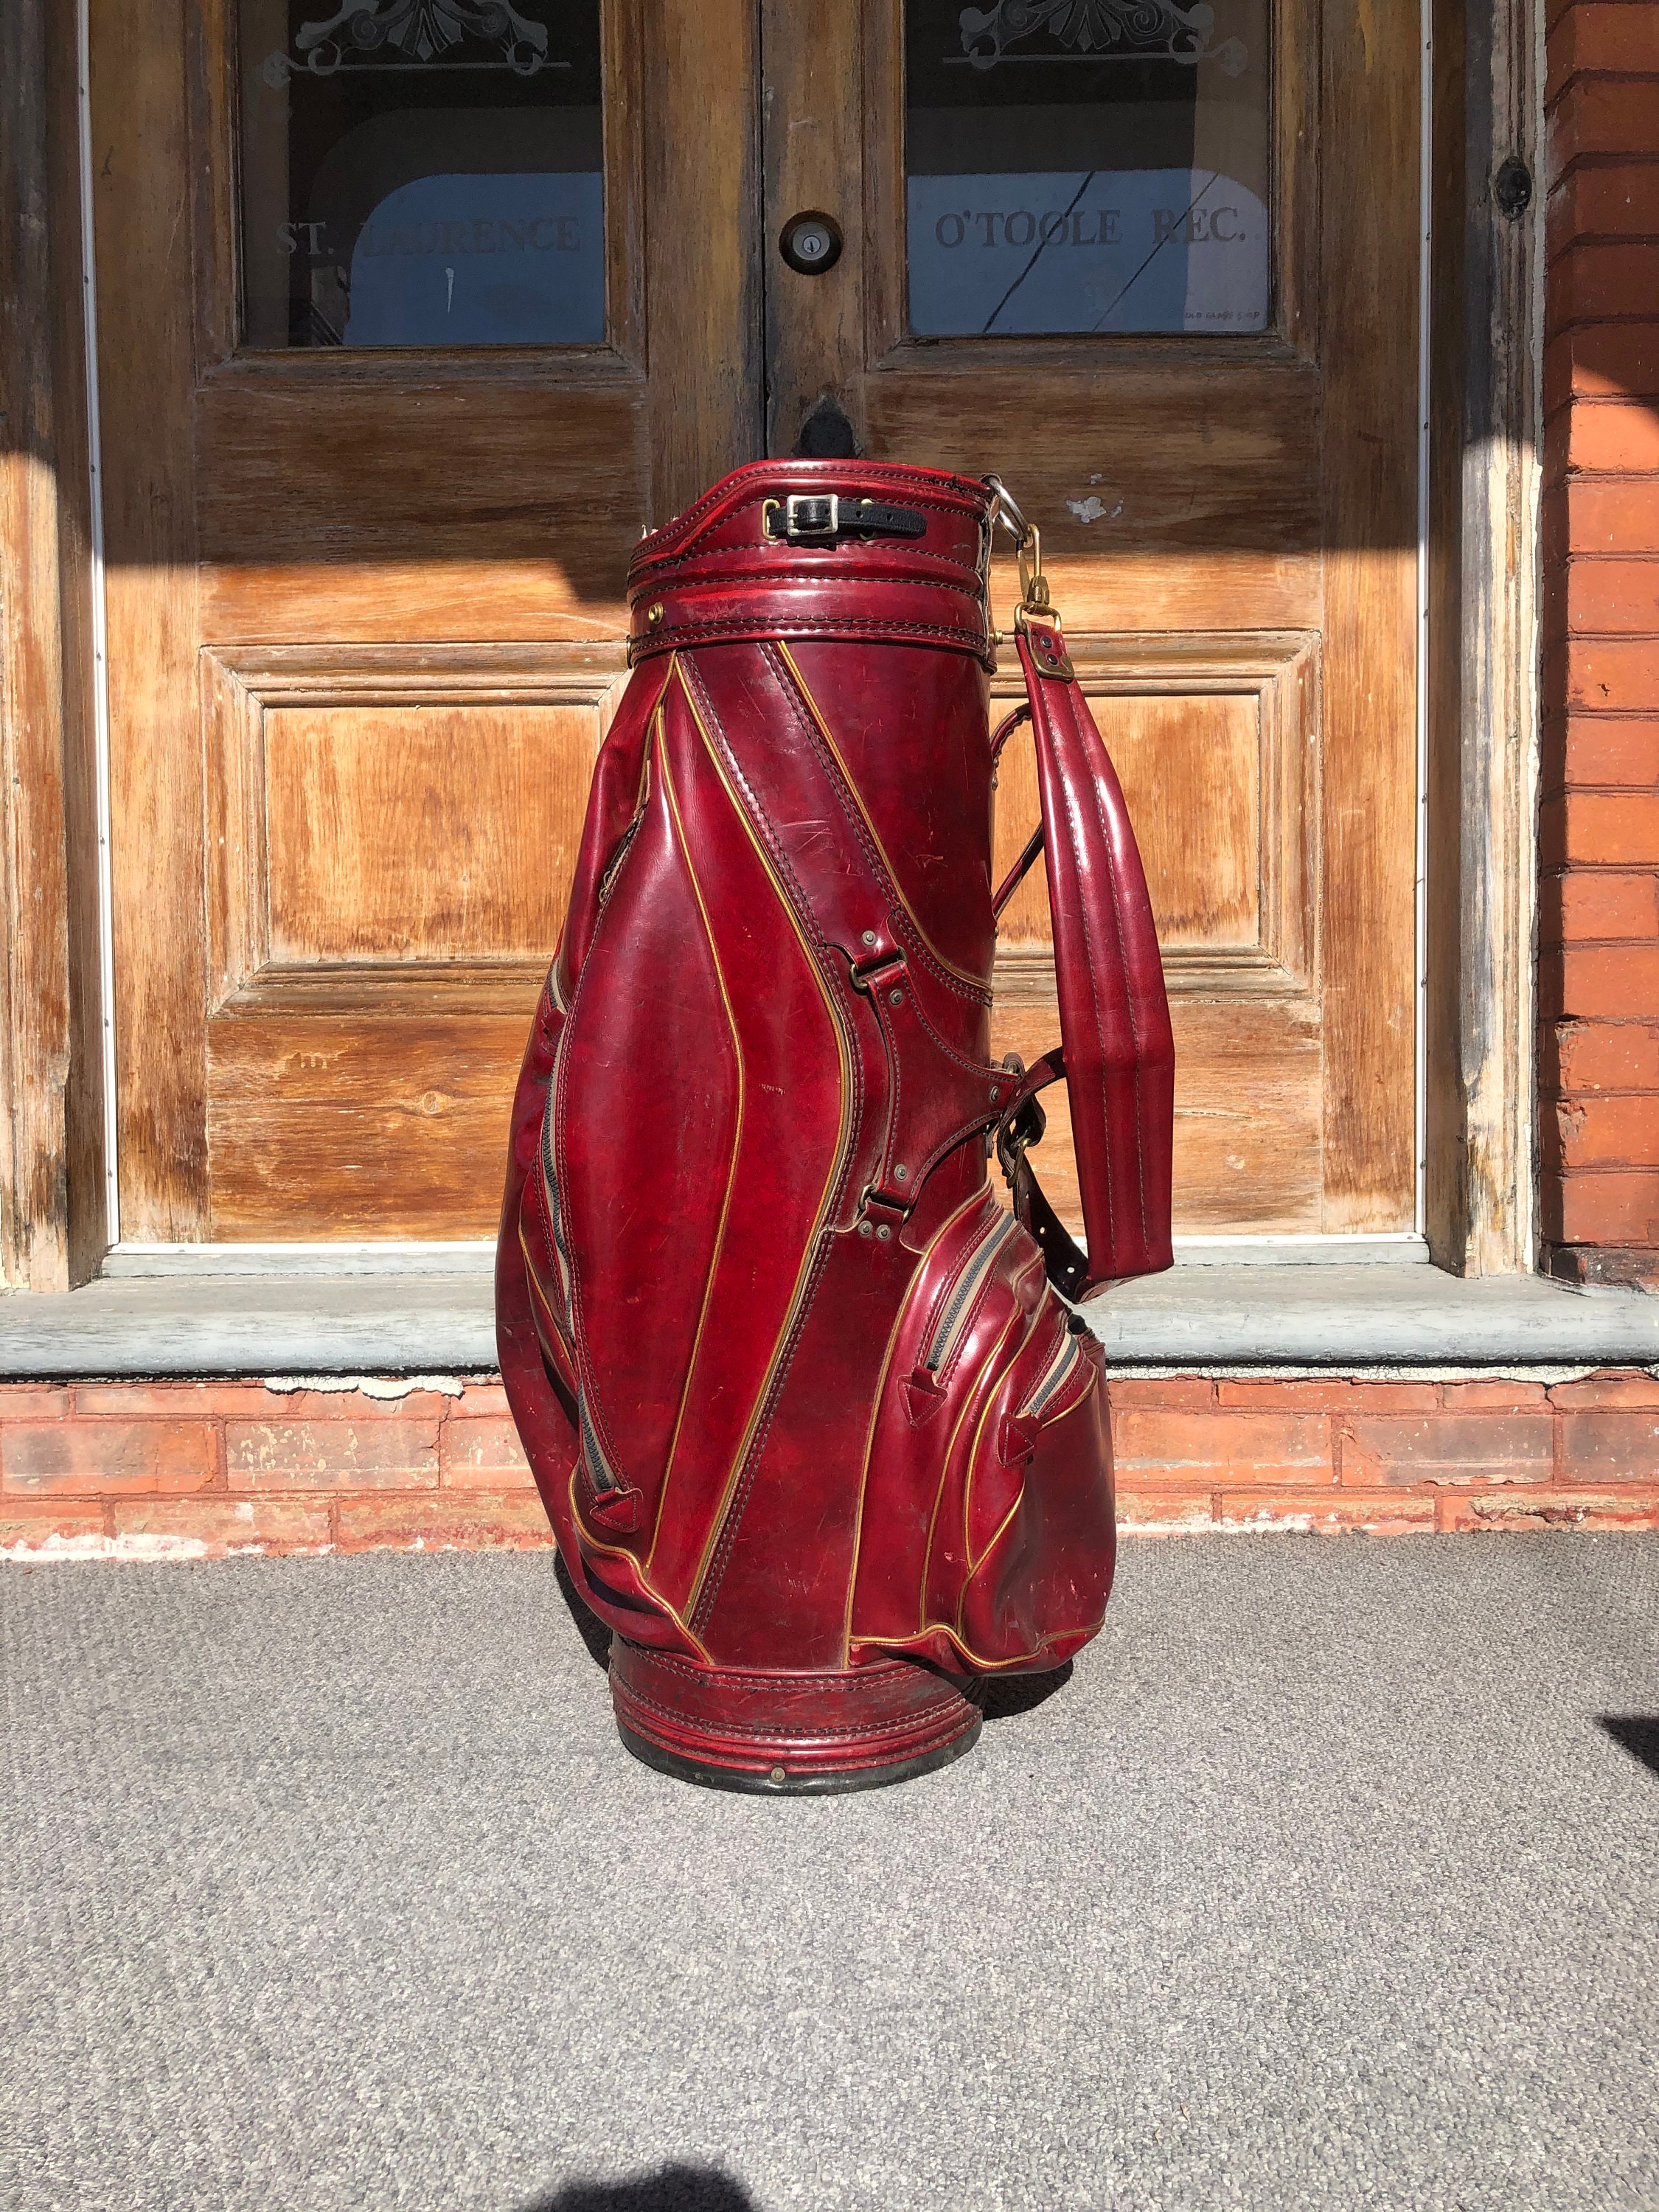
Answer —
1117 1053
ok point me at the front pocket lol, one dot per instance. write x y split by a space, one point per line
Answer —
1040 1572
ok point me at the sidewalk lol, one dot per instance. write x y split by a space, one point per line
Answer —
1321 1883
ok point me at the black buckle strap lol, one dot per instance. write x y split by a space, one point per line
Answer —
816 518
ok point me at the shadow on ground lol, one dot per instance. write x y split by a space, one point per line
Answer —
1635 1733
673 2189
1003 1697
591 1629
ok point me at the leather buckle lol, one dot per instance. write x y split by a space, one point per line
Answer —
811 514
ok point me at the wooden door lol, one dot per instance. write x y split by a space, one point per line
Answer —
1156 267
411 315
394 369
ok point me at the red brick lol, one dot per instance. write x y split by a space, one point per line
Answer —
27 1525
1159 1448
1601 1132
1604 515
1390 1513
473 1520
1607 597
1588 282
1598 906
1609 40
1606 748
95 1459
483 1452
1451 1446
1601 360
1613 979
1338 1394
1614 1207
1617 673
212 1527
138 1401
1612 200
1165 1512
1617 1387
1181 1393
26 1401
1608 436
1601 115
1495 1395
357 1454
1584 1056
1610 1443
480 1397
1594 828
1523 1510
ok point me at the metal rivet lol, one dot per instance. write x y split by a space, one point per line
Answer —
902 1173
884 1232
869 936
654 613
864 1229
996 1095
777 1774
896 998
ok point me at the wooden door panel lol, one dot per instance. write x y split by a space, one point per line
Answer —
1228 521
368 1121
1249 1104
365 601
393 833
420 832
1215 740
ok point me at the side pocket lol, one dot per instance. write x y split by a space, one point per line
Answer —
1040 1514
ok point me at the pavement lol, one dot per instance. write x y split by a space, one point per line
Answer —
1329 1878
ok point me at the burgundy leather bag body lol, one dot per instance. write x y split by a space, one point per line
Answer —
820 1441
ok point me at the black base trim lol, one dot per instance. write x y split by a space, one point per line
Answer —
830 1782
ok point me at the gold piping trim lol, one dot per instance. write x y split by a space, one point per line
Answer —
968 1485
979 982
836 1164
945 1464
985 1666
1000 1531
673 797
618 1552
913 1287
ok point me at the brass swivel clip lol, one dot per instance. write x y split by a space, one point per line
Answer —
1034 597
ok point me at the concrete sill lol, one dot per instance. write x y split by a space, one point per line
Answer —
1347 1318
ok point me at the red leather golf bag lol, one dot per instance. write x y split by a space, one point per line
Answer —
820 1443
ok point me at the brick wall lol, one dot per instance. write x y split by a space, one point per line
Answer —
201 1470
1599 956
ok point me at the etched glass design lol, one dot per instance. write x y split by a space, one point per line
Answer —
1087 165
420 172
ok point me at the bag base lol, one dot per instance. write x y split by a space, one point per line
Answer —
788 1735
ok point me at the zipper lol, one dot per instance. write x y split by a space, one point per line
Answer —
1053 1380
600 1473
959 1303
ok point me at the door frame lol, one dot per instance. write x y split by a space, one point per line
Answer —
1480 385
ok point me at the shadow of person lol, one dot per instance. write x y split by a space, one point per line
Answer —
1003 1696
591 1629
673 2189
1635 1733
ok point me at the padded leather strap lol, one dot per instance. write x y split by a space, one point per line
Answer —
1118 1053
